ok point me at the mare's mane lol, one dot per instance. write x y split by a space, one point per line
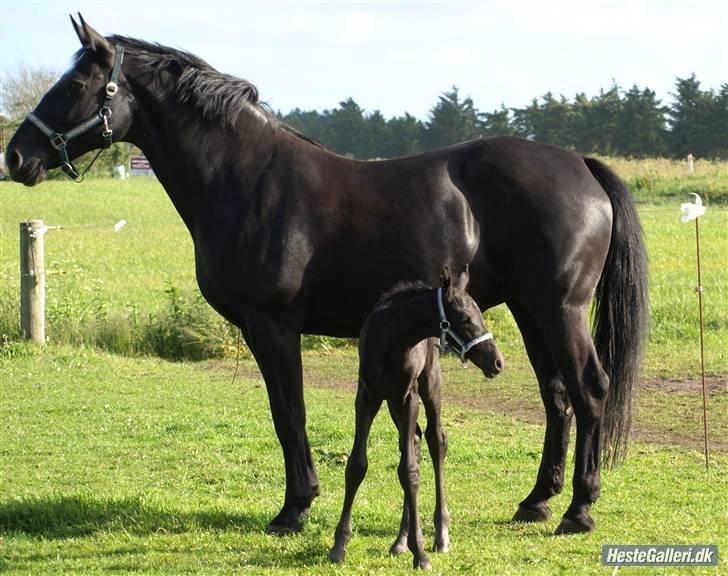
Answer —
217 96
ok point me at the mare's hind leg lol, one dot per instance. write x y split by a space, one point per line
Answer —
356 468
550 479
587 385
399 546
429 387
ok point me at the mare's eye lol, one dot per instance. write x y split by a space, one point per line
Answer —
76 88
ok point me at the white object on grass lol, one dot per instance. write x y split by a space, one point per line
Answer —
691 211
119 225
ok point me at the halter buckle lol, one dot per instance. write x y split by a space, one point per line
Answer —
58 141
111 88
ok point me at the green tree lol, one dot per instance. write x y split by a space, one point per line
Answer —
496 123
690 119
451 120
405 136
640 129
347 128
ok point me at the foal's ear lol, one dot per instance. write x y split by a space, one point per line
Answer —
93 41
463 278
446 281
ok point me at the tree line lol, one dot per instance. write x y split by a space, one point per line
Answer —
614 122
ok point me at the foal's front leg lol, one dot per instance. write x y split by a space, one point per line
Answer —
409 477
367 407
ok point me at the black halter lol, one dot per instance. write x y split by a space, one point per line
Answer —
59 140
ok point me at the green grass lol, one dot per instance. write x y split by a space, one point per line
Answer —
134 291
114 464
136 465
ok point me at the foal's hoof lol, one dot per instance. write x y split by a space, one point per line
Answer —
537 513
399 547
577 525
287 522
442 547
336 555
422 564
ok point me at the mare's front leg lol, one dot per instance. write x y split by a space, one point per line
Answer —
409 476
367 407
277 349
429 385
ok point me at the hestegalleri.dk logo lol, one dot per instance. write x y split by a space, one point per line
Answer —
660 554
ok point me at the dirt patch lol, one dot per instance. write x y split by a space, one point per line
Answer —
713 385
530 411
534 413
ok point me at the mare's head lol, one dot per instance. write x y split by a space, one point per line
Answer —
80 105
466 321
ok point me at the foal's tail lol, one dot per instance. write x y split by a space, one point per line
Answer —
621 312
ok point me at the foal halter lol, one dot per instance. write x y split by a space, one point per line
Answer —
59 140
460 347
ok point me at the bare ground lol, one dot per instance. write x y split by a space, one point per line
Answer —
533 412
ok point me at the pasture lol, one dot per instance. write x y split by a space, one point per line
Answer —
114 460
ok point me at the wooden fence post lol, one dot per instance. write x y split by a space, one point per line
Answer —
32 281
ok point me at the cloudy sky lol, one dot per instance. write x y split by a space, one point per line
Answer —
398 56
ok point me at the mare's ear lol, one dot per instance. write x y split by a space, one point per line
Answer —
93 41
446 282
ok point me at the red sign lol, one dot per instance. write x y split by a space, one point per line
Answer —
139 163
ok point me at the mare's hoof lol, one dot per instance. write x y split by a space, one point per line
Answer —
577 525
336 555
287 522
422 564
537 513
399 547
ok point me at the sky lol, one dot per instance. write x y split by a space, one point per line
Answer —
399 56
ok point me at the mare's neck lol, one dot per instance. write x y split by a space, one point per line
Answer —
201 163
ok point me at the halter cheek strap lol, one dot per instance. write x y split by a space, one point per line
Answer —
59 140
460 347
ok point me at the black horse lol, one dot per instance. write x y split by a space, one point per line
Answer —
290 238
399 363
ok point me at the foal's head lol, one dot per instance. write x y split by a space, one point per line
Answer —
466 321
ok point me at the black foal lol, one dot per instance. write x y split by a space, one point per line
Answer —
399 363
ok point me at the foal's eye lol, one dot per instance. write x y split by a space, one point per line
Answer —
76 88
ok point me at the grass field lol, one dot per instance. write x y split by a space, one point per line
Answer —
121 465
127 463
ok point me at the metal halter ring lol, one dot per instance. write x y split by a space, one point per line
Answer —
58 141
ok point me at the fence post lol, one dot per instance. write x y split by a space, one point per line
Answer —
32 281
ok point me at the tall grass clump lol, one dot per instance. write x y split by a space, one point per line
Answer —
662 180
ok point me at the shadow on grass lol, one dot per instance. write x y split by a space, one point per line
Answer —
74 516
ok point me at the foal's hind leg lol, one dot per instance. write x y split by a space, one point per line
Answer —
356 468
550 479
409 476
399 546
587 385
429 387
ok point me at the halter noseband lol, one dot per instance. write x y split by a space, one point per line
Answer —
445 331
59 140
